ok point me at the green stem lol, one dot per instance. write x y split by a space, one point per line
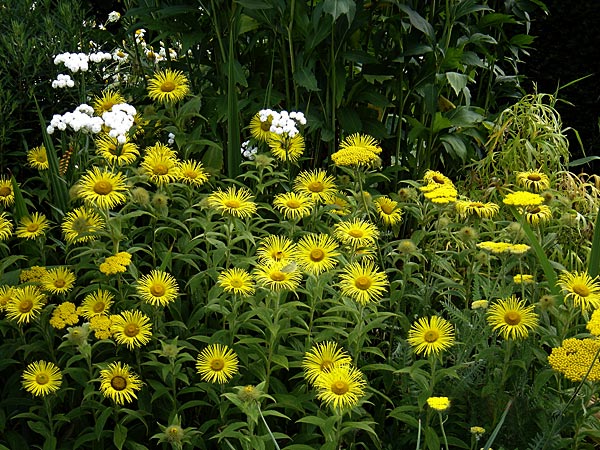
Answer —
443 431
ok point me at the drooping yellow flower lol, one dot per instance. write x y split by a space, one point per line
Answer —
388 210
512 318
58 280
106 101
235 202
581 289
32 227
534 180
278 276
361 141
523 199
160 164
119 383
131 328
574 358
81 225
168 86
356 233
192 173
286 148
322 358
317 184
158 288
25 304
37 158
537 214
431 335
41 378
276 248
115 153
237 281
7 195
342 387
467 208
217 363
363 282
439 404
102 188
6 227
293 205
435 179
316 253
96 303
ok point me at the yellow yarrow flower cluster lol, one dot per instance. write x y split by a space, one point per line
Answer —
116 264
503 247
63 315
101 325
593 325
523 279
439 188
575 357
439 404
523 199
32 275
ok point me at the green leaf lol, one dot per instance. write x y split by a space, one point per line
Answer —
454 146
417 21
336 8
306 78
458 81
120 436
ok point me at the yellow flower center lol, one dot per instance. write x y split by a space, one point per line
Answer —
5 191
160 169
190 174
41 158
168 86
534 210
293 204
98 307
278 255
512 318
131 330
277 276
315 186
81 225
356 233
42 378
534 177
25 306
386 208
158 290
103 187
581 289
236 282
32 227
265 126
340 387
317 254
363 282
431 336
217 364
326 365
118 383
232 203
59 283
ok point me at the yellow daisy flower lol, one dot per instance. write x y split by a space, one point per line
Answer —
236 202
192 173
534 180
81 225
356 233
523 199
339 204
96 304
102 188
7 195
106 101
286 148
236 281
115 153
160 164
217 363
261 131
431 335
439 404
131 328
276 248
434 179
361 141
6 294
58 280
293 206
467 208
25 304
388 211
315 253
316 184
41 378
342 387
37 158
322 358
158 288
537 214
512 318
168 86
119 383
6 227
363 282
32 227
581 289
278 276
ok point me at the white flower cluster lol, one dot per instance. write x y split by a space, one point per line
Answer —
248 151
82 119
283 122
113 16
171 139
76 62
63 81
119 119
149 51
